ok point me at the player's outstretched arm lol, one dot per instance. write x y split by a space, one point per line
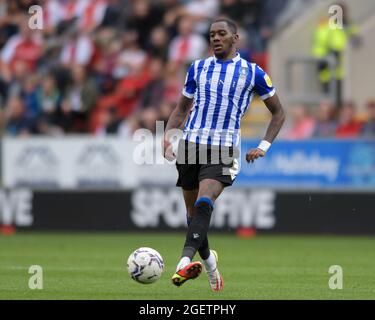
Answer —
175 121
278 117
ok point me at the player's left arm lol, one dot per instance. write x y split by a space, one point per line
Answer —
264 88
273 104
278 117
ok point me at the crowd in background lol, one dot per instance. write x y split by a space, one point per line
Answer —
327 122
113 66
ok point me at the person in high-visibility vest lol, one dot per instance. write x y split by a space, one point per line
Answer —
332 41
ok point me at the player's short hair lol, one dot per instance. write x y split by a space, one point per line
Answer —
231 24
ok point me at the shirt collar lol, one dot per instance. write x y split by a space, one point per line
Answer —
235 59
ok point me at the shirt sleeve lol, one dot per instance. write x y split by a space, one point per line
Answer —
262 84
190 83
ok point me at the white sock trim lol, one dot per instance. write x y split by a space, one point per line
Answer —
183 262
210 263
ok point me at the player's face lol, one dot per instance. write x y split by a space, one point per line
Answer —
222 39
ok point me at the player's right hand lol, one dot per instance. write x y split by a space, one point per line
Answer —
168 152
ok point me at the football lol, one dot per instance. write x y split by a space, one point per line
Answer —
145 265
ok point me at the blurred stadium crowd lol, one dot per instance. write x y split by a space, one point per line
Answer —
328 122
113 66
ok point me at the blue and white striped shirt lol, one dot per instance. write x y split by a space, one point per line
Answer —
222 92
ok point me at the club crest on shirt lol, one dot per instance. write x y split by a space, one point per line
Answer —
244 71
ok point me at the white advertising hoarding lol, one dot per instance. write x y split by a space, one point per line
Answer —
69 163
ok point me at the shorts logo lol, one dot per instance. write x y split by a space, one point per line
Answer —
195 235
234 170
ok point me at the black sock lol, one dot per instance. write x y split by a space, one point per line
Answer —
197 230
204 249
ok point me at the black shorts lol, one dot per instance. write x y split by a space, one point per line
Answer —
196 162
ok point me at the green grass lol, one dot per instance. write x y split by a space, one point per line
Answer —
92 266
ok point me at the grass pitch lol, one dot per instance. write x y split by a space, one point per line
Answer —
92 266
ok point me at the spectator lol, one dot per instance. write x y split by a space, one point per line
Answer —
57 122
14 87
128 91
10 18
72 9
29 96
63 119
368 129
77 50
250 16
325 125
108 122
152 94
18 122
302 124
243 45
148 119
233 9
143 18
173 79
165 111
48 96
52 15
81 96
348 126
201 12
132 58
187 46
21 49
171 15
92 15
267 16
126 95
135 75
112 14
128 126
105 65
158 43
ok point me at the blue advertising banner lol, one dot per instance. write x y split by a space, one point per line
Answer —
317 164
